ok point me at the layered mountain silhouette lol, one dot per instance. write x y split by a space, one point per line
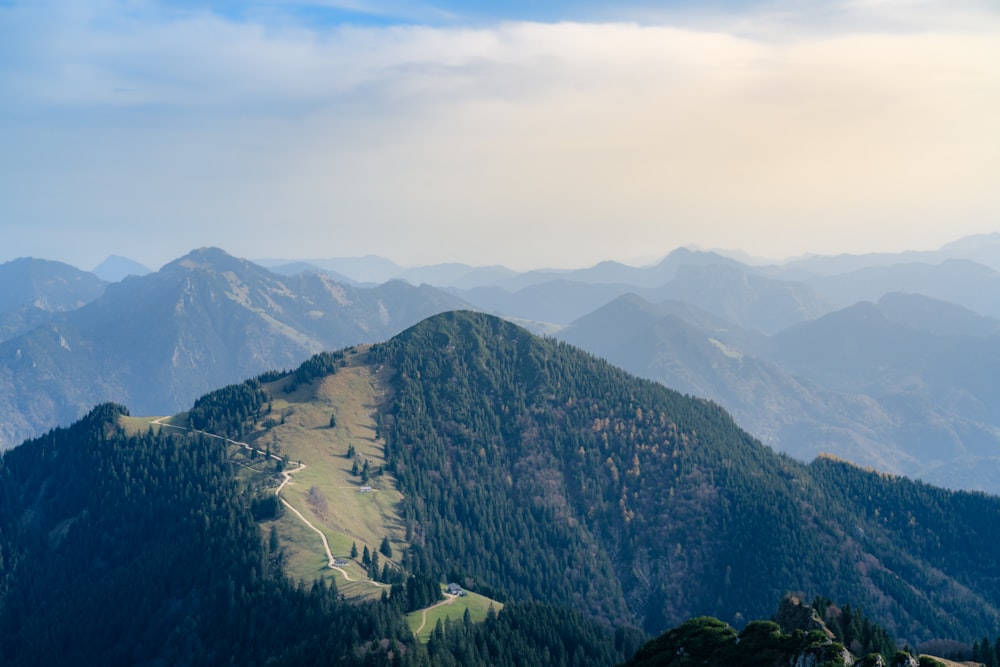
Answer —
904 385
158 341
116 267
35 289
872 358
528 470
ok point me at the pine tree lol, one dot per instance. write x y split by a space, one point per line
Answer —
354 549
989 654
385 548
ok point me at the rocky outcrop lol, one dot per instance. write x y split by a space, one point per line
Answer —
793 614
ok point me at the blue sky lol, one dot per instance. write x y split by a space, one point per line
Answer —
363 12
527 134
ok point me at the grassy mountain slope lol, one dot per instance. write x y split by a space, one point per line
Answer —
142 550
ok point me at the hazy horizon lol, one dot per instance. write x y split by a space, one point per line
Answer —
637 262
525 136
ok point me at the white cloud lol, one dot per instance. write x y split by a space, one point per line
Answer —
590 140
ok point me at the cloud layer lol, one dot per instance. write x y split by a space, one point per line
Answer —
145 131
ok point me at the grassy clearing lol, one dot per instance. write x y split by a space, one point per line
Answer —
304 557
454 609
138 425
326 492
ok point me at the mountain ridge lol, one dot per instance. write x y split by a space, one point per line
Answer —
203 320
747 527
529 470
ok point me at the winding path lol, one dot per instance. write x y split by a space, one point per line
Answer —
287 475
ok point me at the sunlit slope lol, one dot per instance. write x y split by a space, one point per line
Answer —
315 440
328 425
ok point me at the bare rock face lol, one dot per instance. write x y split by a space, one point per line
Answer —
832 654
794 615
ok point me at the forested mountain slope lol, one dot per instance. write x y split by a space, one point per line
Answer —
584 499
143 549
534 469
703 355
904 385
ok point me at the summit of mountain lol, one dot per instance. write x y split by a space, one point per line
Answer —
636 277
642 503
206 319
960 281
979 248
936 316
116 267
46 285
369 269
35 290
743 295
938 379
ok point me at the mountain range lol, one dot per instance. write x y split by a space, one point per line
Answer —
33 290
904 385
886 360
586 500
159 341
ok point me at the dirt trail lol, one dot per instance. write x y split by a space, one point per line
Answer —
423 619
287 479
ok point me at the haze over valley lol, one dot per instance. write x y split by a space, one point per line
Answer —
884 360
440 334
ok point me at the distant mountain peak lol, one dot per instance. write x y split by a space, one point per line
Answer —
206 258
116 268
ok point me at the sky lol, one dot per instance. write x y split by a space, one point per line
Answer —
555 134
